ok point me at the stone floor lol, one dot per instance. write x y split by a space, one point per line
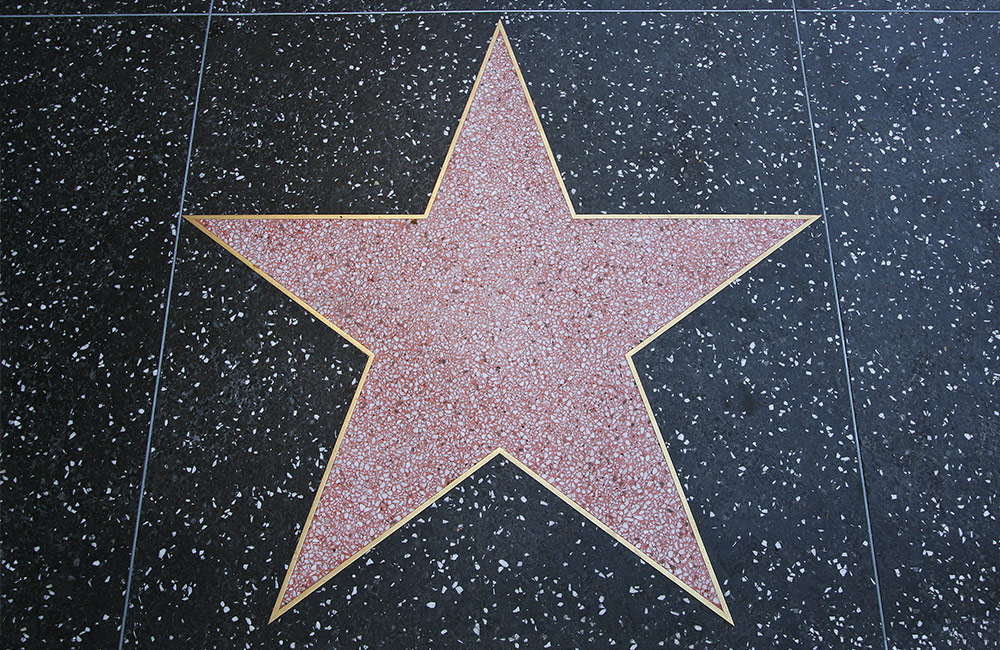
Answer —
832 414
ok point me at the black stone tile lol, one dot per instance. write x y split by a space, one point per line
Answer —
264 6
330 114
684 113
906 108
674 113
254 391
106 7
749 390
95 131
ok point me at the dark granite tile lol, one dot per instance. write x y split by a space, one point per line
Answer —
95 134
749 390
674 113
906 108
106 7
253 393
330 114
645 113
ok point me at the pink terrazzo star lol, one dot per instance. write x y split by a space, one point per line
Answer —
501 320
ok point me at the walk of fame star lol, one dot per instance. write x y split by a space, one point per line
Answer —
500 321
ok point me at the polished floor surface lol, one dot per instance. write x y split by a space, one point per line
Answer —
832 414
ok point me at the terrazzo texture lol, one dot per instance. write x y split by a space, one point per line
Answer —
252 388
316 76
94 137
674 113
749 390
500 321
910 133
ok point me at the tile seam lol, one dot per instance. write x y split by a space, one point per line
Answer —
898 11
841 332
253 14
193 14
163 336
405 12
400 12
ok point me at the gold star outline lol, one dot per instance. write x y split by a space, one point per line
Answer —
500 34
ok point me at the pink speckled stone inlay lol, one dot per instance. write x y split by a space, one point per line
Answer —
500 321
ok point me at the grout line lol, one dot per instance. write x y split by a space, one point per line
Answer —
840 326
661 11
405 12
897 11
200 14
163 337
501 11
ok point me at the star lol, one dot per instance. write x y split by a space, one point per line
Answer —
500 322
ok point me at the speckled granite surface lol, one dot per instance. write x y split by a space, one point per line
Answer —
908 125
646 112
